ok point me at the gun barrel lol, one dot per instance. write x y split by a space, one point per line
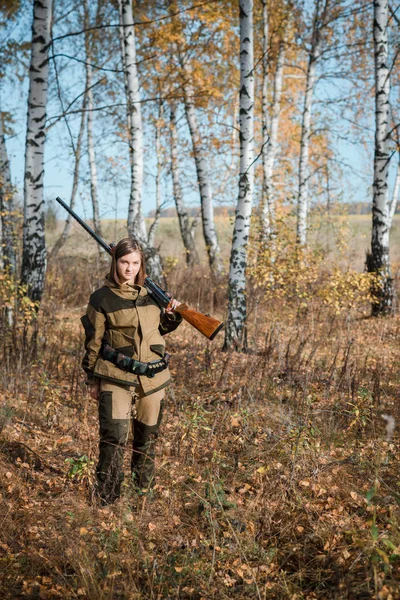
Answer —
158 294
84 225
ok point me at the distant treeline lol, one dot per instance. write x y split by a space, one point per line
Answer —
224 211
350 208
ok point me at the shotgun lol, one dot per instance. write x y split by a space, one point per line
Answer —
206 324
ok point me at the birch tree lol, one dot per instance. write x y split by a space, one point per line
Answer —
266 217
89 129
7 209
270 134
237 309
136 222
92 155
203 174
317 37
75 183
183 217
378 261
396 190
34 245
396 194
158 127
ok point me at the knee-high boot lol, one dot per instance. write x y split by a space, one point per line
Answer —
113 437
143 454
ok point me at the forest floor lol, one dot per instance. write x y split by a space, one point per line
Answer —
277 470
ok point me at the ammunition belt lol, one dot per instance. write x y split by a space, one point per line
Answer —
137 367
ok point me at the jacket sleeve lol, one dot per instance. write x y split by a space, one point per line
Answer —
94 324
169 322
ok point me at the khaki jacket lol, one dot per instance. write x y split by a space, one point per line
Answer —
128 319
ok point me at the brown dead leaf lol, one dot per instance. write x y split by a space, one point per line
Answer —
65 439
235 421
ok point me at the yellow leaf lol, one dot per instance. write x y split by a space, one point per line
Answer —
179 569
262 470
83 531
251 527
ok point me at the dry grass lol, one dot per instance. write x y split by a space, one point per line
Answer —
276 474
356 229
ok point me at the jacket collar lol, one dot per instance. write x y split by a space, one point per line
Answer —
126 290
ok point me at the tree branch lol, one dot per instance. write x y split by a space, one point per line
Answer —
79 60
135 23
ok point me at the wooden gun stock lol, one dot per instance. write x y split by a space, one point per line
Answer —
206 324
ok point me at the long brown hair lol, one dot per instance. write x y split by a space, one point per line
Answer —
126 246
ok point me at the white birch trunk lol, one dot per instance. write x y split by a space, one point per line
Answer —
8 256
122 44
379 259
34 245
136 222
90 145
266 212
270 146
395 197
92 156
315 52
135 227
183 218
75 183
237 310
154 225
203 177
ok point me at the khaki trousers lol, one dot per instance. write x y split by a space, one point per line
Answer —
128 399
119 407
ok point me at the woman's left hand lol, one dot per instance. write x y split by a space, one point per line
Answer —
172 306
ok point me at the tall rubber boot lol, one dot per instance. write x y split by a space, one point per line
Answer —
113 438
143 454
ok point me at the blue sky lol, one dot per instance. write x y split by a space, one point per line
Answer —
355 159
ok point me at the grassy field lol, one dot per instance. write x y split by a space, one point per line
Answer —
278 470
353 231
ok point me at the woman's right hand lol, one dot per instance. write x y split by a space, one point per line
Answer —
93 390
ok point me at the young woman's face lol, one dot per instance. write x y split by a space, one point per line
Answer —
128 266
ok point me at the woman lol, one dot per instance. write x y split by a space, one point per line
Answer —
123 322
